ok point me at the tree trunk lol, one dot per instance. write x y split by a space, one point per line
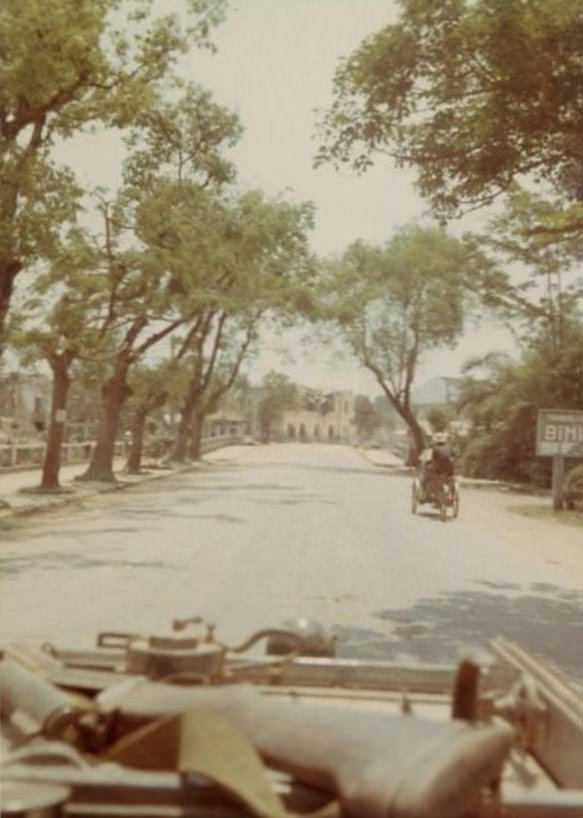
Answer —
266 430
402 406
417 434
180 448
9 269
141 414
194 450
558 479
115 393
134 463
55 434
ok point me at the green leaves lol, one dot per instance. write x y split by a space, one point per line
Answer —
471 94
535 282
278 393
501 397
393 304
83 62
184 141
48 60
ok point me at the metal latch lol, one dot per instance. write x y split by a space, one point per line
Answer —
524 708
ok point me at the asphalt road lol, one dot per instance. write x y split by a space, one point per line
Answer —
283 531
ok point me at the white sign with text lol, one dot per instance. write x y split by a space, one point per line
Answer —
559 432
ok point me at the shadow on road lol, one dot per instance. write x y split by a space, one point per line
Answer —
365 470
543 619
57 561
433 515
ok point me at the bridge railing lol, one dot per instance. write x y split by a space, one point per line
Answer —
16 456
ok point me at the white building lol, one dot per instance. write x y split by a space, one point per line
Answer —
321 416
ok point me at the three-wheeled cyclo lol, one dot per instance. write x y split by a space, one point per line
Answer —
439 491
436 483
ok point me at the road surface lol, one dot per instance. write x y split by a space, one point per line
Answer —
286 530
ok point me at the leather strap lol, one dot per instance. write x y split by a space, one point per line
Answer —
203 742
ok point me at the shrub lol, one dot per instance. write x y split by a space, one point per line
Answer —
573 488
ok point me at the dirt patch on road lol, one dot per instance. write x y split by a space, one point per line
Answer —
523 521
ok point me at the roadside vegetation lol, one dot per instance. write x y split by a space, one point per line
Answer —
156 295
481 100
157 289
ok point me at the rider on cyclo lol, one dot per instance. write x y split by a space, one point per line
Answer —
437 466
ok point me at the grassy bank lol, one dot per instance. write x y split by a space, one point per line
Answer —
572 518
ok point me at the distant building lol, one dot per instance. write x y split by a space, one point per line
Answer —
321 416
225 423
25 402
25 407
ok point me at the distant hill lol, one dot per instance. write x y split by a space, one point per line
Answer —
437 392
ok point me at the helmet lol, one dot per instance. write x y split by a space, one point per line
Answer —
440 439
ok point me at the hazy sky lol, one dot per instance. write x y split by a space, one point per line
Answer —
274 67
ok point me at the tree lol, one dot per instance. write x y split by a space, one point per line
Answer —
135 310
502 397
438 419
55 325
232 259
392 304
170 205
278 393
108 305
182 141
473 95
534 284
240 400
60 361
259 263
536 288
161 250
214 365
151 388
227 260
366 418
60 71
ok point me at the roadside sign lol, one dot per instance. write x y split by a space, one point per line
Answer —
559 432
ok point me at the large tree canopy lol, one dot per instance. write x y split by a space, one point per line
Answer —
278 393
535 283
501 398
470 93
63 65
393 304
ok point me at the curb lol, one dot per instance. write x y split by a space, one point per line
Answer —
80 491
464 482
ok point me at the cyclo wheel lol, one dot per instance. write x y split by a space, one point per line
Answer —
443 502
414 497
455 505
